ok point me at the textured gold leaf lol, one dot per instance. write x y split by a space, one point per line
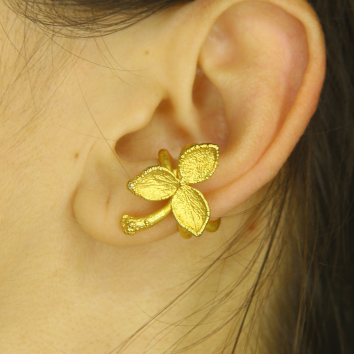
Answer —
190 209
155 183
198 162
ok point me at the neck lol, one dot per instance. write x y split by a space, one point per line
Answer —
60 289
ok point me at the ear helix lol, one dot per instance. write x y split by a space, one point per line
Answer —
196 163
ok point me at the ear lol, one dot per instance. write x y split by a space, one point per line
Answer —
267 60
245 75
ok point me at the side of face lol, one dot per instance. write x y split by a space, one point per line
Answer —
87 115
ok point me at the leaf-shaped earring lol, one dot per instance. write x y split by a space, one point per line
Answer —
196 163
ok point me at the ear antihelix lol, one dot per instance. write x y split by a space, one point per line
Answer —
197 162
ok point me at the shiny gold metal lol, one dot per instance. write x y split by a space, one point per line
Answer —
165 159
213 226
196 163
132 224
184 233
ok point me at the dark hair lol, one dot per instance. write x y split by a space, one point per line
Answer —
81 18
311 198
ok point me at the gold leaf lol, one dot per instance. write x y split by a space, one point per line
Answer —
155 183
190 209
198 162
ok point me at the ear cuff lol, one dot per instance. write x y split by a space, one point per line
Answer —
196 163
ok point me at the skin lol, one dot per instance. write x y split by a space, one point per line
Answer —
80 117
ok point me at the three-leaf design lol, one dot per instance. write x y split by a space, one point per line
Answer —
196 164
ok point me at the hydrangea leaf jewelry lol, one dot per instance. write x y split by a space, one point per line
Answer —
196 163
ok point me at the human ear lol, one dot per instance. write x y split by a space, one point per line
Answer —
267 60
245 75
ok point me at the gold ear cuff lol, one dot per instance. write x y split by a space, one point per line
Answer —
196 164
